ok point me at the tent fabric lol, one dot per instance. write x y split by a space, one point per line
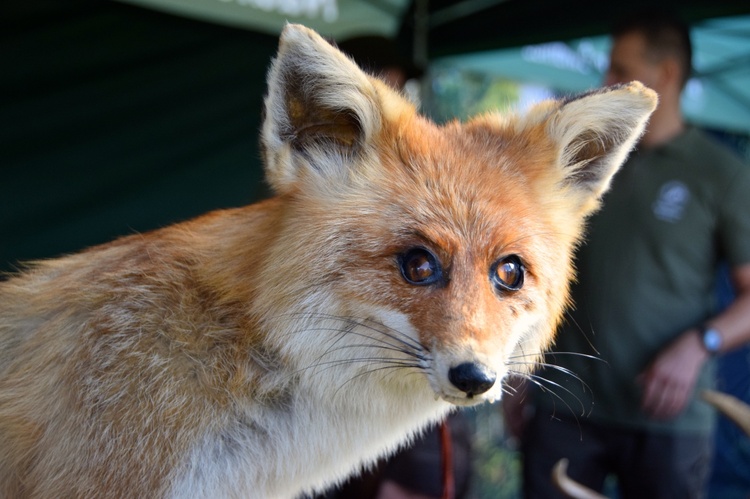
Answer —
116 119
459 27
337 19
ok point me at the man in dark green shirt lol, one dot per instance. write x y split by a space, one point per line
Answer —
645 316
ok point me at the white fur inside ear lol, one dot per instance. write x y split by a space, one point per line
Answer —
320 107
595 132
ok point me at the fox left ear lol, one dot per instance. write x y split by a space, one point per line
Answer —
594 133
321 109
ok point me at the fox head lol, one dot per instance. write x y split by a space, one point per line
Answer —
444 251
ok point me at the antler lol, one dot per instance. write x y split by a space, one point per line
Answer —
731 407
570 487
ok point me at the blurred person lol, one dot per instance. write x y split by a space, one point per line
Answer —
621 394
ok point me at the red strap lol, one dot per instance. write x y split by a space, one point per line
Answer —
449 485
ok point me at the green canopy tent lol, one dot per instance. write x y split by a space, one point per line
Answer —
337 19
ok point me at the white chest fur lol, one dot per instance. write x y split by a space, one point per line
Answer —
312 442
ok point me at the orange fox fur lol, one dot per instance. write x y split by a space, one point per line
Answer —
403 268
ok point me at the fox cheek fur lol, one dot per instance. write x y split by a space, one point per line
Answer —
266 351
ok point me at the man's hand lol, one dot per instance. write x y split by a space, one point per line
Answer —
669 381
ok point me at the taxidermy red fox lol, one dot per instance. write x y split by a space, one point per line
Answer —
402 269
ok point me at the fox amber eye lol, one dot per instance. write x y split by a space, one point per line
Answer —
420 267
507 273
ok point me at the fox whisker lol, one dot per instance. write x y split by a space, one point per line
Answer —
552 354
548 386
582 331
412 350
391 368
368 324
561 369
384 363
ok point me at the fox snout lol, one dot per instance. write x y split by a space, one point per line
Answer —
472 378
466 379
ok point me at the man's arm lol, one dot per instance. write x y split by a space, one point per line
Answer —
669 380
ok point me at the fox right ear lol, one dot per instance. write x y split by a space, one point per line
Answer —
321 110
594 133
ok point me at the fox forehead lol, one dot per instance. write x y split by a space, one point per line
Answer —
460 184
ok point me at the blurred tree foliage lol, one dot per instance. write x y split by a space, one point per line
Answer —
497 466
453 93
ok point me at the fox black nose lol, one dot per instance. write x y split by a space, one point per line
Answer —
471 378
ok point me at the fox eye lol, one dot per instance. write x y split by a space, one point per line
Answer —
420 267
507 273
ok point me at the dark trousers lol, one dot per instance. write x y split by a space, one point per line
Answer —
647 465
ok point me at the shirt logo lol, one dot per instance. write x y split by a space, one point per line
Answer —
673 197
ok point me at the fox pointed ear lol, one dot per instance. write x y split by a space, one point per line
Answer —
594 133
321 109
